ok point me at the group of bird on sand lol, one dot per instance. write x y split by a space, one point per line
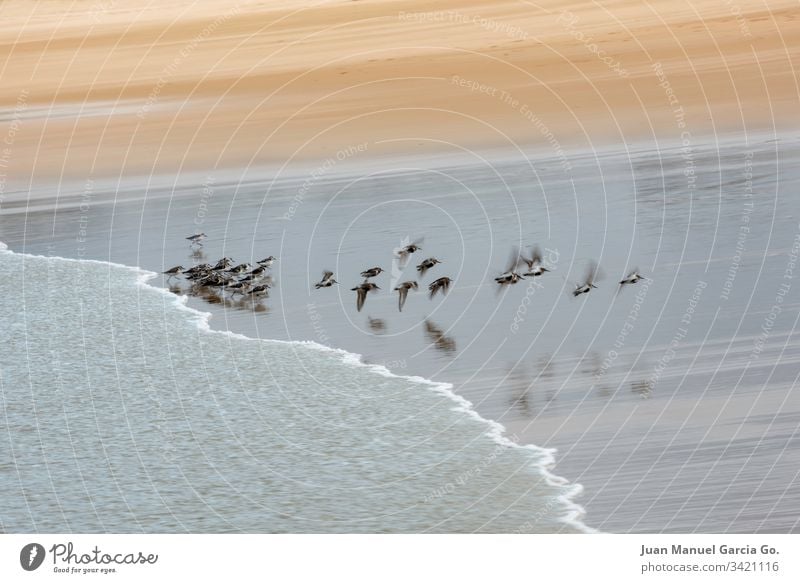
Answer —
253 281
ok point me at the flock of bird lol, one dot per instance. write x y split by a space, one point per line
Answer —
254 281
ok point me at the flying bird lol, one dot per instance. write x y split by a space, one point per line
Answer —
426 265
371 272
402 289
588 280
633 277
327 280
363 290
404 252
510 275
534 263
442 284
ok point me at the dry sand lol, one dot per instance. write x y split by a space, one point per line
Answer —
198 83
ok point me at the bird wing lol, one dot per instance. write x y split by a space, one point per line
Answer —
402 299
536 255
513 260
326 275
362 296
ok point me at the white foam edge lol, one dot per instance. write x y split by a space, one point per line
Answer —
496 431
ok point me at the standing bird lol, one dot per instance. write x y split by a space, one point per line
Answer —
327 280
241 268
534 263
223 263
372 272
426 265
267 261
173 272
402 289
259 291
633 277
196 239
363 290
442 284
588 281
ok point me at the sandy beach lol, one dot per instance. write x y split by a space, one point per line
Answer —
656 135
142 89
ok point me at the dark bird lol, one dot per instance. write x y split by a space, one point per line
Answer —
443 284
588 281
238 287
267 261
363 290
173 272
426 265
633 277
510 275
326 281
196 239
259 270
241 268
402 289
534 263
197 269
259 291
438 337
404 252
372 272
223 263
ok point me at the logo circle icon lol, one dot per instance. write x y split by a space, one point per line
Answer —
31 556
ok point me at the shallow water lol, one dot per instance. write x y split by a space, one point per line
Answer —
122 412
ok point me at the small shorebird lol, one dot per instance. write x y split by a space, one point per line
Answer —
371 272
588 281
239 287
633 277
259 291
173 272
259 270
326 281
442 284
376 324
534 263
402 289
404 252
510 276
267 261
197 269
363 290
223 263
426 265
241 268
212 280
196 239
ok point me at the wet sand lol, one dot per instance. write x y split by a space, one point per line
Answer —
195 86
667 400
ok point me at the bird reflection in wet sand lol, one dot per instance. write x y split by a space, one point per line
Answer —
402 290
520 384
437 336
642 388
198 254
376 324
